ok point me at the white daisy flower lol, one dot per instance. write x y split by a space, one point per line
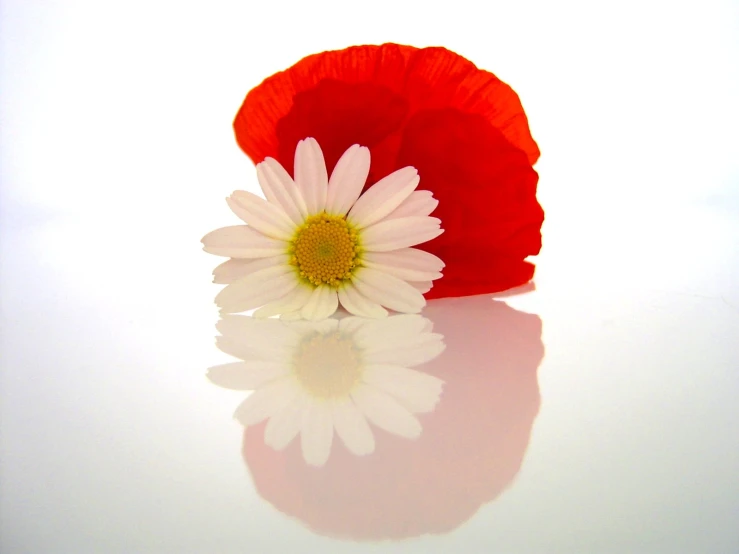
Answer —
315 242
334 376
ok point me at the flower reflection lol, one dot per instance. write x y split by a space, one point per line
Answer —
470 451
334 376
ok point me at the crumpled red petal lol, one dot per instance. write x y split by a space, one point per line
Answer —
461 127
487 201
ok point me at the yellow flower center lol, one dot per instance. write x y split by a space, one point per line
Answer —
325 249
327 366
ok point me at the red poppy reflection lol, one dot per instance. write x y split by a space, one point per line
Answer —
470 450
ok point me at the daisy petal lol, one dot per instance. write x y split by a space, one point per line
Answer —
383 197
310 175
267 218
348 179
241 241
423 349
246 375
284 426
409 264
352 428
323 327
385 412
317 434
268 339
388 291
356 303
322 303
393 234
419 203
257 289
291 316
422 286
280 189
350 325
416 391
266 401
292 302
235 268
247 351
393 332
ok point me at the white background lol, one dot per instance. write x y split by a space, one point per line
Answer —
117 152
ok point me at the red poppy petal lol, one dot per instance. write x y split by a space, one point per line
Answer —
487 199
339 114
426 78
462 127
439 78
256 122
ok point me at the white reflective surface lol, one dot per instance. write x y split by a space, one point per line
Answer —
595 414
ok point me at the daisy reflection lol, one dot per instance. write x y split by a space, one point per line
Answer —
317 379
471 450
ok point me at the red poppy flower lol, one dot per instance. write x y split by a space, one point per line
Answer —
470 450
461 127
